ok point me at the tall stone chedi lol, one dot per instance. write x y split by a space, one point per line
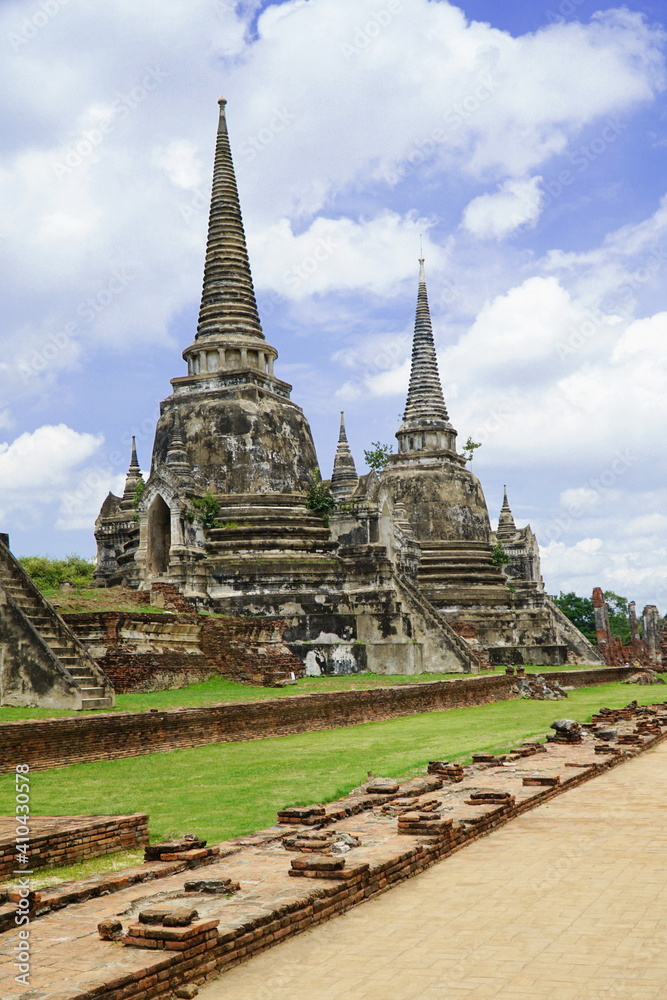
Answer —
459 573
231 448
240 430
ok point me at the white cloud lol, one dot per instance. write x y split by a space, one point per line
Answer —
374 255
44 459
516 203
181 163
50 466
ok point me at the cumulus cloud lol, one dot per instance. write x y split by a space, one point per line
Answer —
517 203
374 256
482 102
51 465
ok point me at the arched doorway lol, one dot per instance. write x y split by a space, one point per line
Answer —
159 536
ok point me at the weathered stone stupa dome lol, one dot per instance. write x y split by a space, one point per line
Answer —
238 427
444 499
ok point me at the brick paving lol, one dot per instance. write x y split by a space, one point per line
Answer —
568 902
546 902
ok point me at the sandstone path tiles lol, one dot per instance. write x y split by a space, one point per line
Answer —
568 902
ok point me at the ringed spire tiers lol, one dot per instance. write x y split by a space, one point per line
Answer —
344 480
132 480
229 333
228 297
426 425
506 525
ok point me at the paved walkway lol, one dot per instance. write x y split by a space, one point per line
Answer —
566 903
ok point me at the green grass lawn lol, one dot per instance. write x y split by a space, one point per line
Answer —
218 689
223 790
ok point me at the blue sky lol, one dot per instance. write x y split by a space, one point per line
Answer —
526 142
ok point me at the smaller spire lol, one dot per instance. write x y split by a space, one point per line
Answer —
176 457
344 480
426 425
132 480
506 525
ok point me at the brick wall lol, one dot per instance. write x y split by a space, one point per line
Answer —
64 840
58 742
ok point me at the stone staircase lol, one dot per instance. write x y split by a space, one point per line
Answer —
37 634
469 658
460 575
273 523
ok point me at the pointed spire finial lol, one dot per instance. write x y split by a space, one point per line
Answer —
228 302
344 480
132 479
426 425
506 524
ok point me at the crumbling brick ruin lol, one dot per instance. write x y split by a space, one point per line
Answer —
647 650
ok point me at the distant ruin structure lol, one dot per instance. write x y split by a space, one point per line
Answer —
645 650
401 577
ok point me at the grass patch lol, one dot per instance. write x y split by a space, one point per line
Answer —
224 790
55 874
90 599
219 689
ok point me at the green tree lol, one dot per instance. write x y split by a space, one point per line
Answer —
48 573
580 612
619 615
499 554
377 456
469 449
318 497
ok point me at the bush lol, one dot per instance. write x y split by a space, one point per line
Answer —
319 498
48 574
208 508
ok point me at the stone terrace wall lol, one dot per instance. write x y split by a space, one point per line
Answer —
58 742
141 651
64 840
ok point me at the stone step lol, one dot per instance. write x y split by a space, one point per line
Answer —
269 529
460 572
269 545
87 704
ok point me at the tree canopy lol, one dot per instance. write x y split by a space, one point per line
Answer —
581 613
